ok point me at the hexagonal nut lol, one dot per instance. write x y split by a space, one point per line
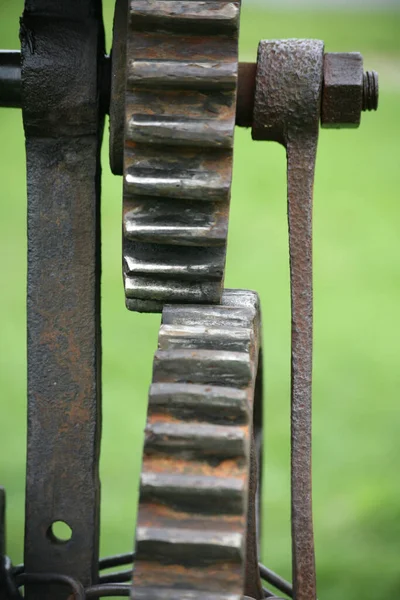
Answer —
342 94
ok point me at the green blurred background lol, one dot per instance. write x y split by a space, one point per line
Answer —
357 349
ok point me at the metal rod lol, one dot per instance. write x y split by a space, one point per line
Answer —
119 577
10 78
276 580
107 590
47 579
118 560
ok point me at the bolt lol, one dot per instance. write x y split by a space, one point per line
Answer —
347 90
370 91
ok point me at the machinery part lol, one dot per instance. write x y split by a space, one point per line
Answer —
347 90
276 580
10 78
47 579
117 87
245 94
181 80
126 576
287 110
78 592
370 91
114 87
63 123
63 128
197 494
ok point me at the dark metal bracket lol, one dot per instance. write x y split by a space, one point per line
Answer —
63 128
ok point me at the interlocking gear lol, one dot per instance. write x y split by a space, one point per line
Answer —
196 525
180 107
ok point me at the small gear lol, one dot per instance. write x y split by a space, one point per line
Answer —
196 529
180 107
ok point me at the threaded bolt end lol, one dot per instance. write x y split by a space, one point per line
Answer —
370 91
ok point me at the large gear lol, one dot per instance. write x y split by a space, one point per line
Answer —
196 530
181 82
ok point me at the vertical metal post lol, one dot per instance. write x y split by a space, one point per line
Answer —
62 46
3 591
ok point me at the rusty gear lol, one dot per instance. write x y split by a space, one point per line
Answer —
181 81
196 522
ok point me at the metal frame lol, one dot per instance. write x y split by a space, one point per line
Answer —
63 128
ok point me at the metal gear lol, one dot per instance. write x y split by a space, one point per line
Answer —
196 530
180 107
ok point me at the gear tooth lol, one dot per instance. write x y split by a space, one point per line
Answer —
192 16
176 181
190 401
190 493
203 367
196 440
209 316
200 337
174 222
196 264
189 546
165 593
184 75
161 290
183 131
186 109
143 306
241 299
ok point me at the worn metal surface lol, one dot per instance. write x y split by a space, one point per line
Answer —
117 85
62 47
192 535
287 110
342 97
10 78
245 94
370 90
181 83
347 90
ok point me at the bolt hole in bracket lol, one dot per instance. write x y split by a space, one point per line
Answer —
59 532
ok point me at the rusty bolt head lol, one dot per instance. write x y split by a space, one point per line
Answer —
342 96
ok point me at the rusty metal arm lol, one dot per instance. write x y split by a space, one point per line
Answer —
287 110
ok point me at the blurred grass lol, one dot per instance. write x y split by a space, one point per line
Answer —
357 347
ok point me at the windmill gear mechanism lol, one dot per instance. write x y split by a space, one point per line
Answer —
174 90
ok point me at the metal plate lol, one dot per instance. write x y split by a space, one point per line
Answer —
62 45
